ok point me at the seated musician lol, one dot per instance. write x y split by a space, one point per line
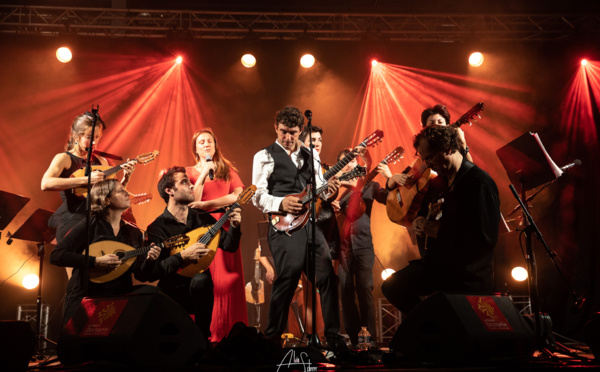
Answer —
194 293
462 209
109 201
437 115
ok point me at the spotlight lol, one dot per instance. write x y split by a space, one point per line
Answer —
31 281
178 60
248 60
63 54
374 63
10 239
387 273
584 62
519 273
476 59
307 61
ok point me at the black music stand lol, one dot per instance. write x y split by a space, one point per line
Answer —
10 205
36 230
528 166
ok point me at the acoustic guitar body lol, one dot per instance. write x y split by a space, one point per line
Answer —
403 203
191 268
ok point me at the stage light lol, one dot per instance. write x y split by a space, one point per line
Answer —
387 273
31 281
476 59
63 54
248 60
584 62
374 63
178 60
307 61
519 274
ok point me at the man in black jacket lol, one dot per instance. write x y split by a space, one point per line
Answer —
459 215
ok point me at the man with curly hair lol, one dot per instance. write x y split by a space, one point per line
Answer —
459 216
279 171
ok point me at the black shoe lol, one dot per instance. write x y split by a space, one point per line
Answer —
337 344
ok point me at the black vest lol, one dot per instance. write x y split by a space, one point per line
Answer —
286 178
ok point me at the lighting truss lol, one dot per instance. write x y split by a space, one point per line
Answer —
193 24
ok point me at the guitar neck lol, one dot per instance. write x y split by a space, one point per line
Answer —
206 238
136 252
112 170
339 165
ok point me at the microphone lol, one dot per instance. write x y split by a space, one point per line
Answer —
308 114
571 165
211 173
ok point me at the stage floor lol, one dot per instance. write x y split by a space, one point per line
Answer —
299 359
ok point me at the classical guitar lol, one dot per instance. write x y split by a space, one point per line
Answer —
110 172
404 203
208 235
351 204
127 254
289 222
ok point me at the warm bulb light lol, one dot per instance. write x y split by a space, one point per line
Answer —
248 60
387 273
519 274
584 62
31 281
178 60
374 63
307 61
63 54
476 59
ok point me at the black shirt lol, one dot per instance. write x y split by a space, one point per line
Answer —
166 226
69 253
460 259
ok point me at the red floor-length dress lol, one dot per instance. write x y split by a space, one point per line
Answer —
226 269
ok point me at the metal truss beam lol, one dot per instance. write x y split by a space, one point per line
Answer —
117 23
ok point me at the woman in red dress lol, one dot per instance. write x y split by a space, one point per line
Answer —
210 194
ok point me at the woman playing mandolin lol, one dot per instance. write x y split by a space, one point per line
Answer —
109 201
58 175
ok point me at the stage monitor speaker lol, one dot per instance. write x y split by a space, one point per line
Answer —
452 328
17 344
141 329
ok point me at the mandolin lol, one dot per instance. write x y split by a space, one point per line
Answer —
110 172
404 202
140 198
208 235
289 222
127 254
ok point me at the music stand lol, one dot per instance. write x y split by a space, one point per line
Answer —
36 230
528 166
10 205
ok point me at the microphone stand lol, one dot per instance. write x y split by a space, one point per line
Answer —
543 323
314 338
88 201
